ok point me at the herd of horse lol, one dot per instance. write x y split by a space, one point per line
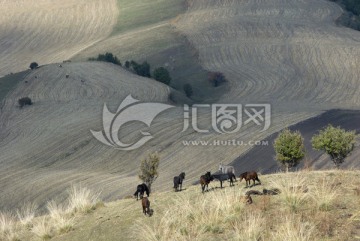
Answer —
225 173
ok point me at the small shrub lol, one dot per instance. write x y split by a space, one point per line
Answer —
162 75
24 101
141 69
127 64
149 169
216 78
188 90
107 57
33 65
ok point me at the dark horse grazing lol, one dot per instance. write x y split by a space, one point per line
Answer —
145 203
178 180
140 191
205 180
251 175
223 177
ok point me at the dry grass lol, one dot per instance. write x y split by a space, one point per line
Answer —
82 199
308 208
59 220
26 214
42 228
324 194
293 190
8 227
293 229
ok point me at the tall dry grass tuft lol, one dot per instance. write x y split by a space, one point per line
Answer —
293 188
324 194
26 214
8 227
250 227
60 217
293 229
82 199
43 228
195 218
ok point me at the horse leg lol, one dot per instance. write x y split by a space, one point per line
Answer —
257 179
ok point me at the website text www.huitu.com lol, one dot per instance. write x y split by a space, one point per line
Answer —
225 143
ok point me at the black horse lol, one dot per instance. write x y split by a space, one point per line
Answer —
225 176
140 190
178 180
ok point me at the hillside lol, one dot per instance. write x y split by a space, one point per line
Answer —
311 206
346 119
48 31
289 54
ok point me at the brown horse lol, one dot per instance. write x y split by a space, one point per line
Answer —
145 203
205 180
251 175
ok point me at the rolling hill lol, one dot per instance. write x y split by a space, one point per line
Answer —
289 54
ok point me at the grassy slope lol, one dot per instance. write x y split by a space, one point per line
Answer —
329 210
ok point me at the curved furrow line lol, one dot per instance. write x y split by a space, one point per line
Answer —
51 32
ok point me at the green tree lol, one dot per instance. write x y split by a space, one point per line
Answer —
188 90
336 142
107 57
149 169
34 65
127 64
141 69
162 75
289 148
